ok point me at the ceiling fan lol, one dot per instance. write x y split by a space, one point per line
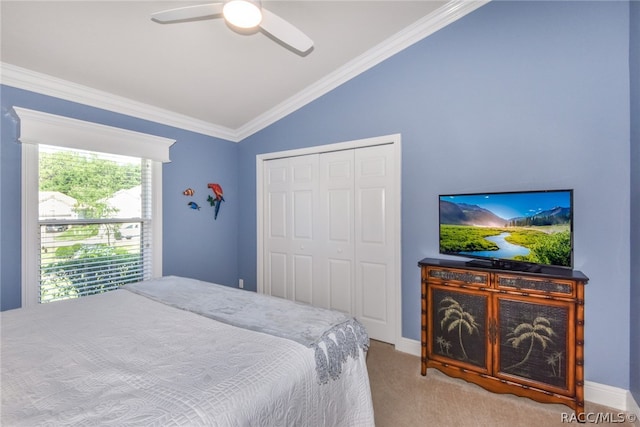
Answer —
242 14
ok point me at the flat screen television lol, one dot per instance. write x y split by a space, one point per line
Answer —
524 230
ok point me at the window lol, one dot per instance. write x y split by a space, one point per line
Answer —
94 222
91 207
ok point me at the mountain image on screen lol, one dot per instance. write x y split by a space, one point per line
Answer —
465 214
529 227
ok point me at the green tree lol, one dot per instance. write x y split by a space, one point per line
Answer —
100 264
87 178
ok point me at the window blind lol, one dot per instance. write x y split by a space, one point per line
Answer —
95 222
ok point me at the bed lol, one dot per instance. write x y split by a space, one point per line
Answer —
178 351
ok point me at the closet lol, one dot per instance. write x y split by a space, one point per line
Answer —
329 233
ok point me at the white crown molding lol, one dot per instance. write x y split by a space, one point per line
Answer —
443 16
22 78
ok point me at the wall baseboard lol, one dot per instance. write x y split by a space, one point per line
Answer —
601 394
632 406
410 346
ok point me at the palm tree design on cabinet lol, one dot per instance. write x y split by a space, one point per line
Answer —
554 360
533 345
458 334
457 319
539 331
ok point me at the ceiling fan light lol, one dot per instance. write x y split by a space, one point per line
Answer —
242 13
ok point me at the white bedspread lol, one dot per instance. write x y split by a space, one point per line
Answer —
122 359
334 335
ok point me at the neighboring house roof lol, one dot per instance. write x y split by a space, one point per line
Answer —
56 205
127 202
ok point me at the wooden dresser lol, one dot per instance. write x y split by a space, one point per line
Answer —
507 331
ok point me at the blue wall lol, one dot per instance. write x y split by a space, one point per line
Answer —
514 96
194 245
634 56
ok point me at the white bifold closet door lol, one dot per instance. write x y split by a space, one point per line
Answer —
329 238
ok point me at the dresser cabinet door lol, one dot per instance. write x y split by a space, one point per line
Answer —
458 321
533 345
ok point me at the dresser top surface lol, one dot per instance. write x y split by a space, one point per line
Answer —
541 271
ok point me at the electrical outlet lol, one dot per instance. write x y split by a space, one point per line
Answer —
241 283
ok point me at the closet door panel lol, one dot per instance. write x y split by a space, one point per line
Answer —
291 206
337 228
373 228
277 274
339 206
303 278
340 284
304 223
277 208
374 240
303 215
374 307
277 233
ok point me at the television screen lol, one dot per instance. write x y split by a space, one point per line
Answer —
514 229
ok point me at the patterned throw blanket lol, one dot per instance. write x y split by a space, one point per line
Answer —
333 335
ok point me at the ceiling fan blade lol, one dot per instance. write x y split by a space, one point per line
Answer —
189 12
285 32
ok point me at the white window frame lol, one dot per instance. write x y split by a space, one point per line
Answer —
42 128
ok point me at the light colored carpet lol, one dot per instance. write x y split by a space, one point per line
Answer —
404 398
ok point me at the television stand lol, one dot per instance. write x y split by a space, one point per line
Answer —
476 324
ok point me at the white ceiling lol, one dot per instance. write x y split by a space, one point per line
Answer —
201 75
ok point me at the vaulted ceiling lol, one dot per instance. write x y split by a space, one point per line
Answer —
201 74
